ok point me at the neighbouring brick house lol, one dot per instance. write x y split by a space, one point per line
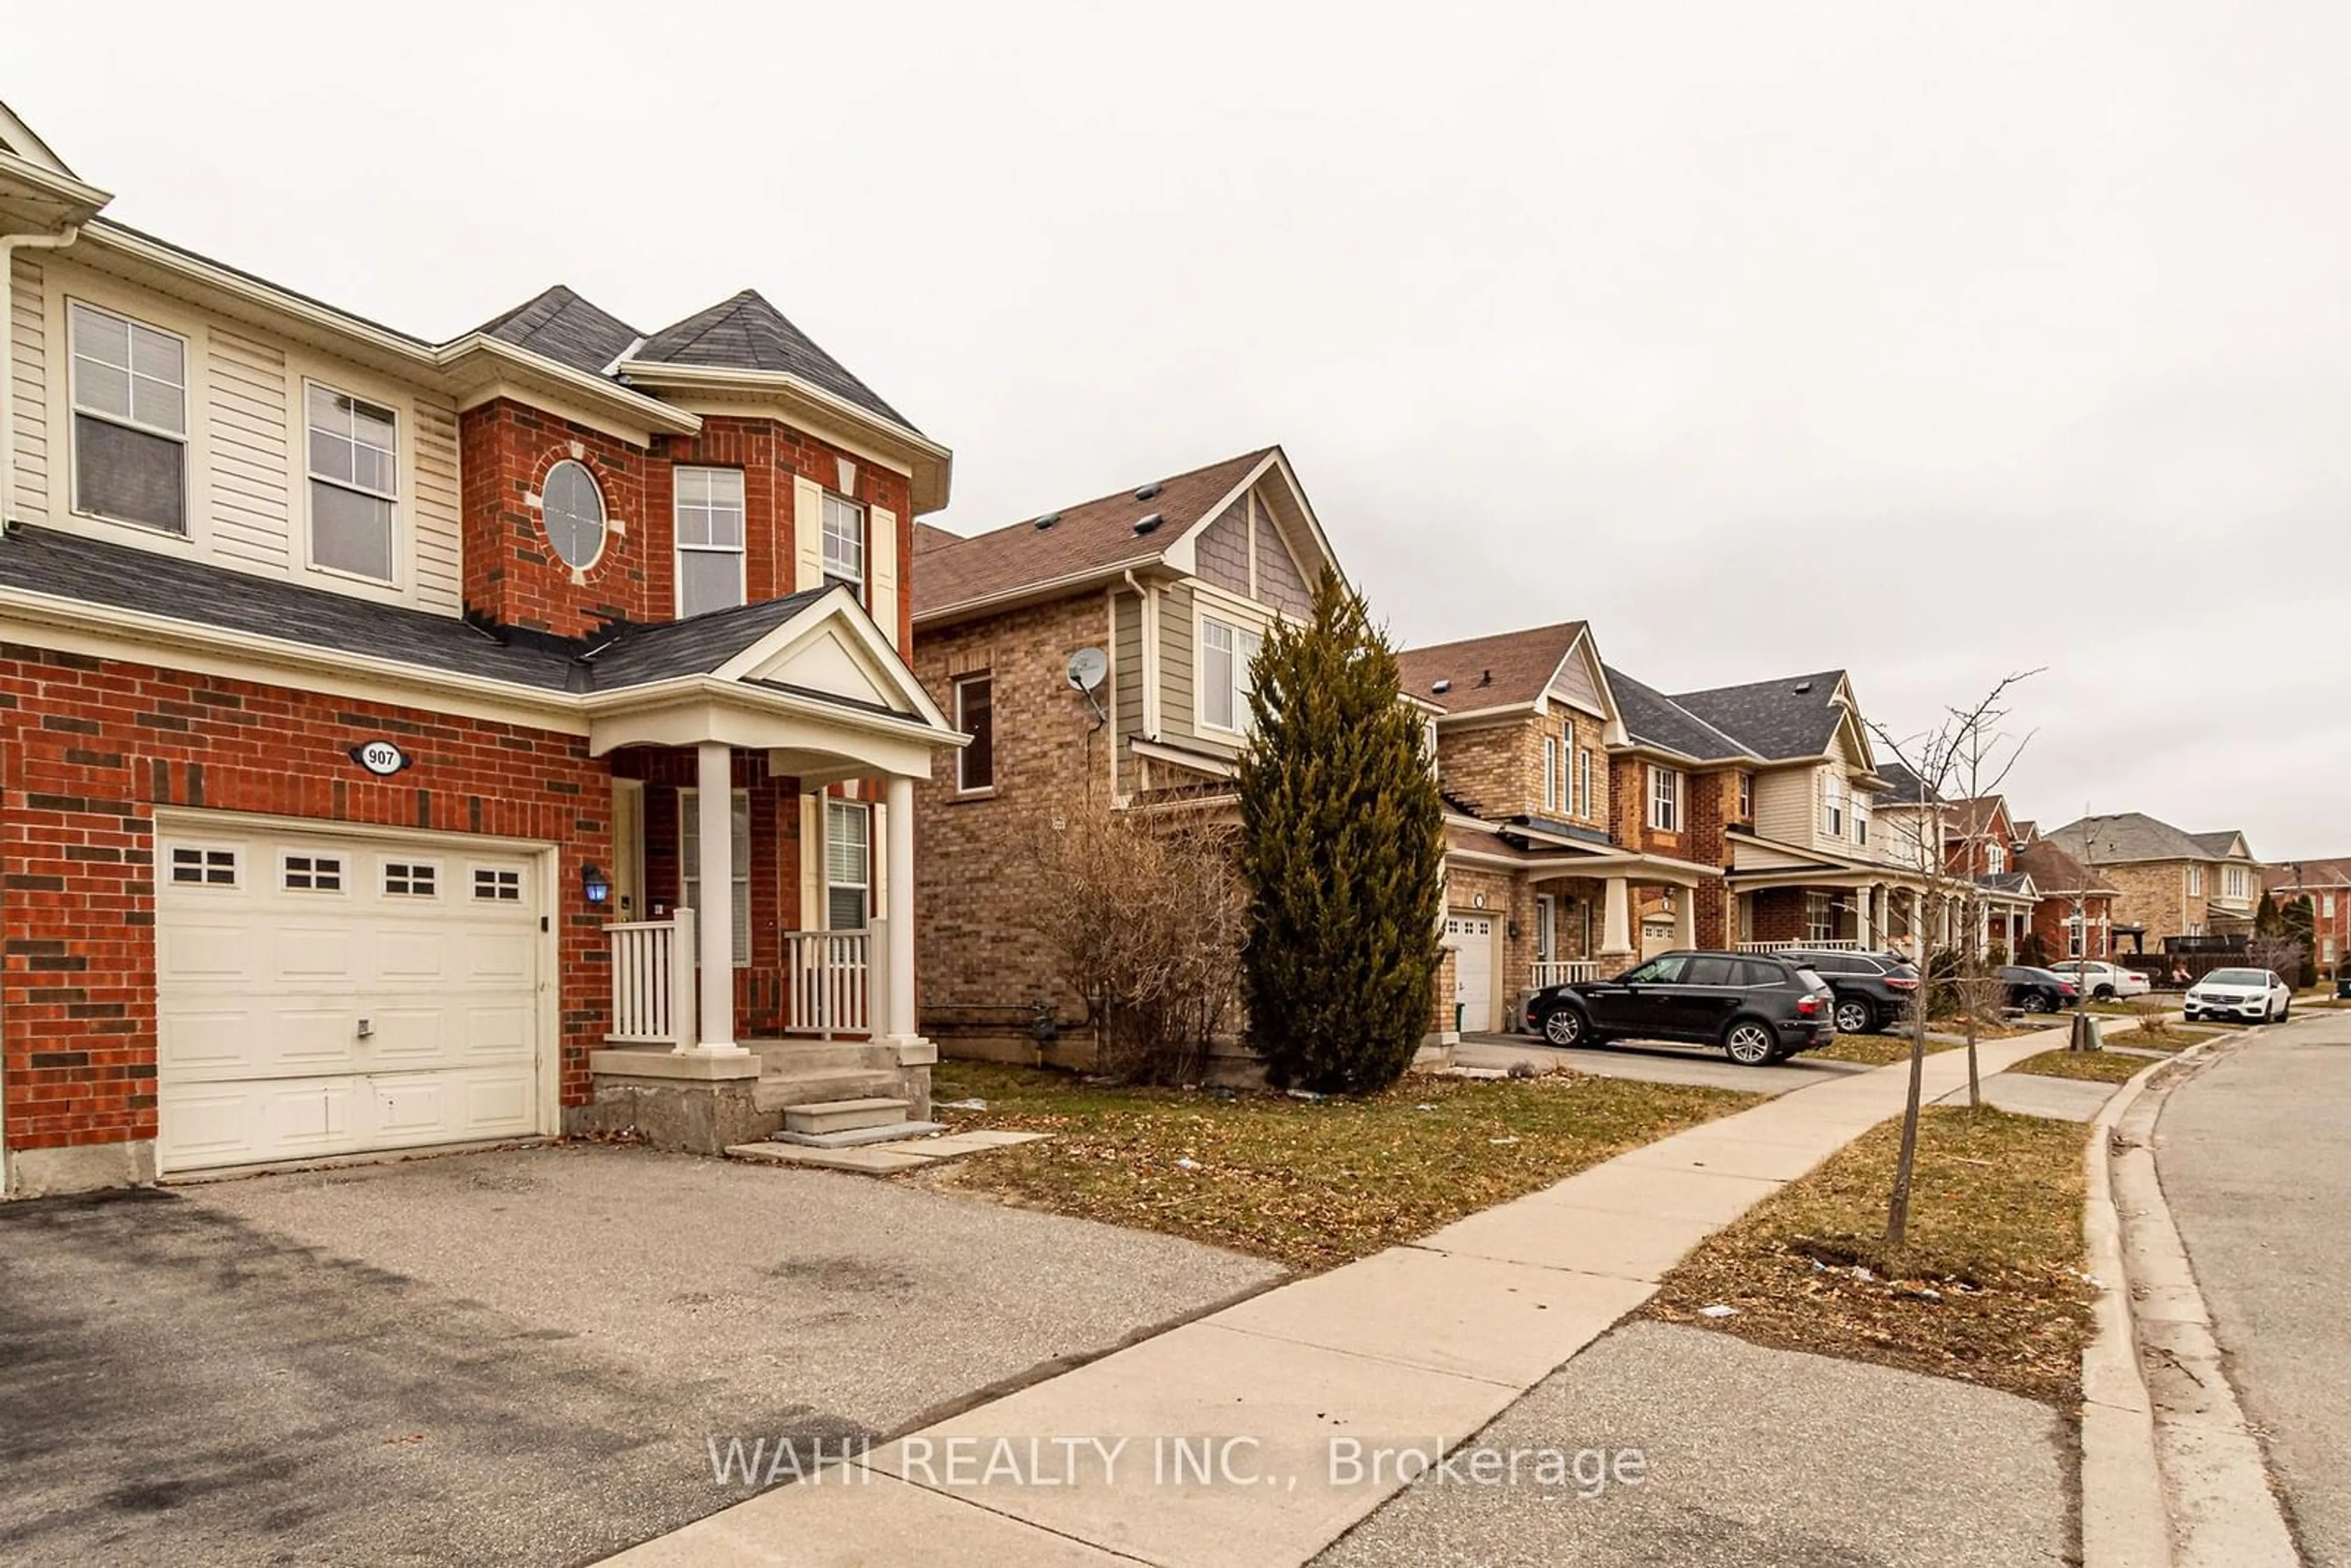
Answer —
2326 883
357 694
2073 907
1165 590
2169 884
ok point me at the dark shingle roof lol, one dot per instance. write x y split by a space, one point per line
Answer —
1488 672
1655 719
565 327
68 566
2136 836
2054 871
746 333
1905 788
1790 717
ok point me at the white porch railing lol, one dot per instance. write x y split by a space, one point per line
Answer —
653 981
1836 944
828 982
1565 971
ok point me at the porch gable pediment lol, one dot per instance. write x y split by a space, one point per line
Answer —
833 648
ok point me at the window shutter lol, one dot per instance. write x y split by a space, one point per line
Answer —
881 569
811 863
807 534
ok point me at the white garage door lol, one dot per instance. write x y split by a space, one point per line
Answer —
322 995
1473 968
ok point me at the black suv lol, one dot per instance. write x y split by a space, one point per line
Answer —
1873 990
1757 1007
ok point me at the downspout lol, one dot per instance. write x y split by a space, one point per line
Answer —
1147 635
9 246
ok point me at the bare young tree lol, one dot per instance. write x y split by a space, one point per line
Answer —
1970 751
1144 914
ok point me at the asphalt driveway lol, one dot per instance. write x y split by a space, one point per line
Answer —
514 1358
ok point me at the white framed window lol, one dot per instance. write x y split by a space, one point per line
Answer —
496 884
1664 798
1747 797
1583 806
2234 882
975 715
706 514
311 873
203 865
1550 773
2195 883
1833 806
738 845
1820 918
1227 650
2327 904
2074 936
354 464
571 510
1995 859
848 865
844 541
412 879
1546 927
130 397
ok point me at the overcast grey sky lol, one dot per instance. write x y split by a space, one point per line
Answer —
1929 342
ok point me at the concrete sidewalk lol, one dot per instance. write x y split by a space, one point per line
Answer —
1289 1399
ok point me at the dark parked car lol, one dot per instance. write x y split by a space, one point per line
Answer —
2036 991
1873 990
1758 1008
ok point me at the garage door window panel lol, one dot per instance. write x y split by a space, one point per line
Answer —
311 873
497 884
412 879
203 865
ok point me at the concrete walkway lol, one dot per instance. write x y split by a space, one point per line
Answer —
1290 1400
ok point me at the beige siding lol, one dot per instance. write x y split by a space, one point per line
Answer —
1224 550
1574 684
252 512
1279 581
29 349
1787 804
1126 665
1176 674
440 569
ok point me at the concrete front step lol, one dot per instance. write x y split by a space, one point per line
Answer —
852 1137
792 1057
845 1116
780 1091
881 1158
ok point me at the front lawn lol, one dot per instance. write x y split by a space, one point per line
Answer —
1987 1291
2091 1066
1311 1183
1877 1050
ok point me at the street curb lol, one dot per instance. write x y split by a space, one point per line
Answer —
2137 1512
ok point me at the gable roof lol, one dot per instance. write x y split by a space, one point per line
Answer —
1653 718
746 333
1078 544
565 327
2136 836
24 141
1972 817
1505 670
2309 876
2220 845
1904 787
1790 718
2054 871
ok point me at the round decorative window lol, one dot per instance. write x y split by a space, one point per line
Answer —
573 509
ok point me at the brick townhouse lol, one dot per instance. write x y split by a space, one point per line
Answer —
1160 592
366 703
2169 884
2326 884
2073 906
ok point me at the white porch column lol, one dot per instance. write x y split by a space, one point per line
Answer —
1617 920
1863 922
715 848
898 871
1685 917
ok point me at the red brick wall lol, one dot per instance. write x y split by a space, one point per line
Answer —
89 750
1779 914
2048 923
513 577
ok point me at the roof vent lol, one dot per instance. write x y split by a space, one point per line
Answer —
1486 678
1804 686
1441 687
1146 493
1047 520
1149 523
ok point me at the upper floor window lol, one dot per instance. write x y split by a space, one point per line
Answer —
1583 803
1860 821
1747 797
1225 653
2195 881
844 541
1833 806
1665 799
707 514
1995 859
572 509
354 484
975 715
2235 882
131 420
1550 773
2327 904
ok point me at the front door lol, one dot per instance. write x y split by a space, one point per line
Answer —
1473 968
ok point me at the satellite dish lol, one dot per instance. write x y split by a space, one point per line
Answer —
1086 668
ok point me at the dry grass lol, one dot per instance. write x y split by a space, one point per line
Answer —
1312 1184
1877 1050
2091 1066
1987 1291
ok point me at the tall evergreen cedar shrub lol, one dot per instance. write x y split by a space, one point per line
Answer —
1343 851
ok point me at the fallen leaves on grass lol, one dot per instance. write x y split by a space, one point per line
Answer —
2092 1066
1877 1050
1312 1184
1988 1290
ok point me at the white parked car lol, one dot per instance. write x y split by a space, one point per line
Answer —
2254 995
2104 982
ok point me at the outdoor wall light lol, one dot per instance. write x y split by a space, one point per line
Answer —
594 883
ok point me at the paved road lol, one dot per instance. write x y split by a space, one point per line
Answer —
2257 1170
